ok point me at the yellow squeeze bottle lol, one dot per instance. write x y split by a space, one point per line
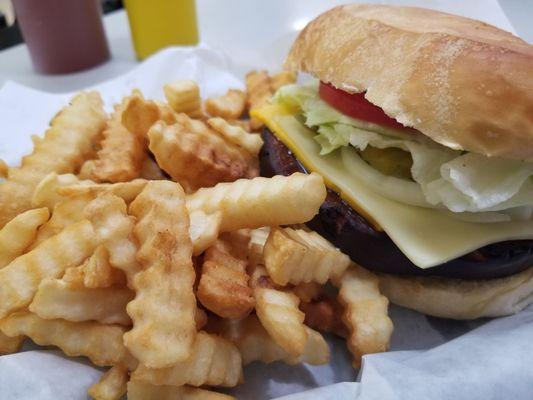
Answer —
159 23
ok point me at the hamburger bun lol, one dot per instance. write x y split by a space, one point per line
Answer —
461 82
460 299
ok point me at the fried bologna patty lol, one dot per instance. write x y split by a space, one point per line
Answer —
354 235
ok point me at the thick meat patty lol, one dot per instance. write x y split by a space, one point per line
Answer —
373 249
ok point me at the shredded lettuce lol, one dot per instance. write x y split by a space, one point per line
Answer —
460 182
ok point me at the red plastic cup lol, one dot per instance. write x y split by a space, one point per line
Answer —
62 35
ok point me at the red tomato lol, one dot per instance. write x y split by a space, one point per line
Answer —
356 106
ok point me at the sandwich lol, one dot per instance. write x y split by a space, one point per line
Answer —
421 124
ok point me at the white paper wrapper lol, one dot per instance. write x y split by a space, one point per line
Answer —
429 358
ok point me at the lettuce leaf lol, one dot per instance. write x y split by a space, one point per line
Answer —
460 182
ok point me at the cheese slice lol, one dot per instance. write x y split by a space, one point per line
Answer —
426 236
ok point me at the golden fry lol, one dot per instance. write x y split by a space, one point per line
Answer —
184 97
204 230
95 272
45 194
258 238
125 190
112 385
145 391
19 233
251 142
63 149
255 344
57 298
296 256
223 287
66 213
258 202
20 280
164 307
259 91
102 344
279 313
229 106
214 361
281 79
195 156
114 229
324 316
365 313
243 123
10 345
121 154
140 114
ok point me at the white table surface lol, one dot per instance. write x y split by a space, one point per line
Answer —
253 32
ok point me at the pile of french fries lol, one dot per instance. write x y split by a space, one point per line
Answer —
147 242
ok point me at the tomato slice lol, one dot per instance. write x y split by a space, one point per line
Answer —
356 106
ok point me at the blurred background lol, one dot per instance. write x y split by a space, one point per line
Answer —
95 40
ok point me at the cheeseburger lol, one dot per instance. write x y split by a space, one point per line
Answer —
421 124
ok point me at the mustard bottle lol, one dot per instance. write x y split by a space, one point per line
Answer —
159 23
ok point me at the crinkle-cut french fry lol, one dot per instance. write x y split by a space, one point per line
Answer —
45 194
223 288
95 272
324 315
10 345
255 344
259 90
67 212
238 243
114 229
309 291
164 307
184 97
204 230
102 344
20 279
19 233
125 190
121 154
258 238
279 313
253 203
56 298
112 385
296 256
196 156
281 79
214 361
140 114
243 123
251 142
151 171
365 313
63 149
229 106
144 391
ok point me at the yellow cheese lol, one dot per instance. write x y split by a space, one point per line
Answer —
426 236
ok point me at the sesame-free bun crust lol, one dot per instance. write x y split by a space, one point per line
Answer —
460 299
461 82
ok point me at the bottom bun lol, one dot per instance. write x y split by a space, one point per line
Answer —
460 299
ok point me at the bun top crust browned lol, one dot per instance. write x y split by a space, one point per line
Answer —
461 82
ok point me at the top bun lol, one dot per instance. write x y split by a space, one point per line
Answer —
461 82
